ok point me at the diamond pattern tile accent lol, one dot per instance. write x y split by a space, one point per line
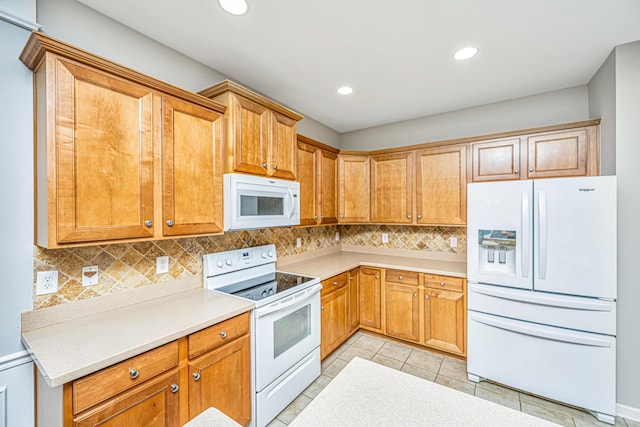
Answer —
132 265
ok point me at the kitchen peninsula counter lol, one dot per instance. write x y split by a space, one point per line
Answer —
72 340
332 261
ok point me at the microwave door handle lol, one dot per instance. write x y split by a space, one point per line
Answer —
293 205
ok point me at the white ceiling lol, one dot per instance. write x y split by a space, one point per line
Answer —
396 54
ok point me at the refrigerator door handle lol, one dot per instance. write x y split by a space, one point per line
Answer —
524 205
542 247
562 335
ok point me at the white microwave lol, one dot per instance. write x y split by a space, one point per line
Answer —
260 202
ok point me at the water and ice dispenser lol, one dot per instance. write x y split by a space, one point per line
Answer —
497 251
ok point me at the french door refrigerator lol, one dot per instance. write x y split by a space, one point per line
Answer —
541 267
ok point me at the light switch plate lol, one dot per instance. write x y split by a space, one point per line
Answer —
90 275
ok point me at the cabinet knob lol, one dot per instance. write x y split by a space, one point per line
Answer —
408 216
264 165
315 217
441 283
134 373
275 167
341 216
223 334
196 376
530 169
415 295
419 216
170 223
335 282
148 223
516 171
426 297
322 307
401 277
350 277
377 277
174 388
321 216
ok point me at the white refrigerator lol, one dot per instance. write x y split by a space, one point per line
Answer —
541 267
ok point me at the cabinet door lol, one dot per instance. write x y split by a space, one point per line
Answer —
282 147
354 301
249 133
192 169
444 320
101 184
495 160
369 288
154 404
353 188
308 177
402 308
441 185
222 378
328 186
557 154
392 188
334 318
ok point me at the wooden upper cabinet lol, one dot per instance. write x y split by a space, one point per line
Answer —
318 177
101 133
261 134
353 189
561 154
495 160
192 169
441 185
94 155
392 188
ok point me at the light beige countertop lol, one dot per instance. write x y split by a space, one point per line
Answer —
367 394
76 339
328 263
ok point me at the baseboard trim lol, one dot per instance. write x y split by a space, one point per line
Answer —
15 359
628 412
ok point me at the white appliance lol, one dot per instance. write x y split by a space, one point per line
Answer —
541 267
285 334
260 202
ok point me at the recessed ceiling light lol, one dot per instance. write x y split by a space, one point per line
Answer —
234 7
465 53
345 90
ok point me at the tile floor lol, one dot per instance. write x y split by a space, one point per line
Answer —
443 370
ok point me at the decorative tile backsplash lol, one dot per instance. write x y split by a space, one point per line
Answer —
132 265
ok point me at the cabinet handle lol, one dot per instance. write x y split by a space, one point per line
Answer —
401 277
408 216
516 171
174 388
196 376
170 223
441 283
530 169
426 297
148 223
223 334
322 307
415 295
275 167
134 374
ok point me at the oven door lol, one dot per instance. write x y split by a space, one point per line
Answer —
286 331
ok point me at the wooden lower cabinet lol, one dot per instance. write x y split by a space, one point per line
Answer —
335 323
169 385
369 291
402 305
445 314
222 379
354 301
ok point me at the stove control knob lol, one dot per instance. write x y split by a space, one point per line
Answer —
264 294
228 262
270 254
219 263
264 254
270 291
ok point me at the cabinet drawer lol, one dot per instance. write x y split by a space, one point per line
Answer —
218 334
401 276
108 382
443 282
333 283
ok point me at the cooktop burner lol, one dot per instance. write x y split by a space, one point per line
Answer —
277 283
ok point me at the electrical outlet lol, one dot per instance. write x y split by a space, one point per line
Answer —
453 242
90 275
385 238
162 264
47 282
337 236
298 242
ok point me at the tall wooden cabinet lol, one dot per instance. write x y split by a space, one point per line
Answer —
354 189
318 176
261 134
119 153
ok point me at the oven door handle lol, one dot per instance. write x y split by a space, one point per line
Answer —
288 301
